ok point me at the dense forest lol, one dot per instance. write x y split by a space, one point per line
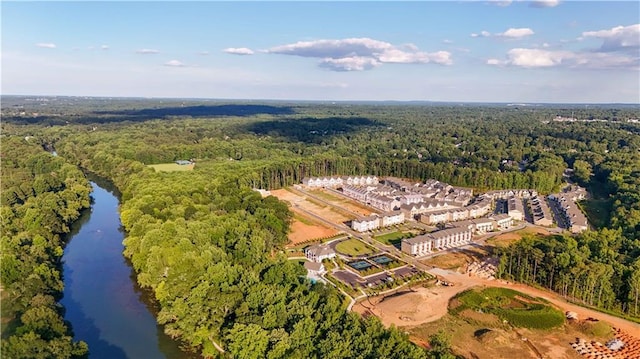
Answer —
210 248
41 196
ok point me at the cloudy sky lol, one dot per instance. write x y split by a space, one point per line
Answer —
486 51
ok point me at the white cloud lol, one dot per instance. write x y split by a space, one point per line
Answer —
147 52
238 51
46 45
358 54
544 3
203 53
539 58
501 3
355 63
517 33
447 41
482 33
512 33
174 63
105 47
617 38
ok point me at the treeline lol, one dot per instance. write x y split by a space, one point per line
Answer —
41 196
207 245
286 173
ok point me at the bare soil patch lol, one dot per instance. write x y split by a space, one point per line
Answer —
458 259
305 227
305 206
424 312
340 201
302 232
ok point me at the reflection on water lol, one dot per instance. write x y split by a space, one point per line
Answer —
102 300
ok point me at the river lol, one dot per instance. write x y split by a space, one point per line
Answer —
103 302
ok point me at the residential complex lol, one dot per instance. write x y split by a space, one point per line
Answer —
372 222
446 238
515 208
566 202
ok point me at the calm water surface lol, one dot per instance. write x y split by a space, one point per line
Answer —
103 302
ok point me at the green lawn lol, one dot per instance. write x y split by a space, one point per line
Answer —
517 308
353 247
598 211
392 238
171 167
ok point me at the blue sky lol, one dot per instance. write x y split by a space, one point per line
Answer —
486 51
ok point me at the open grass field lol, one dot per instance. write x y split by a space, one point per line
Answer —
353 247
171 167
597 210
392 238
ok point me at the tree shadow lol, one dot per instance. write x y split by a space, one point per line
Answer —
239 110
310 130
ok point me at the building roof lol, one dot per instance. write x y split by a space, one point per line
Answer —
314 266
320 250
500 217
366 219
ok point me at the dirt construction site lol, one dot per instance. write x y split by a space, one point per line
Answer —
312 219
422 311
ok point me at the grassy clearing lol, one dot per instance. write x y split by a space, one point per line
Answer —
518 309
171 167
326 196
597 210
353 247
303 219
392 238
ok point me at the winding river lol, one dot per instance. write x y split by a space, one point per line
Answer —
103 302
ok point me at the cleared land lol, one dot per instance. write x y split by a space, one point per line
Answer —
505 239
302 205
172 167
459 258
353 247
343 202
425 305
304 226
306 230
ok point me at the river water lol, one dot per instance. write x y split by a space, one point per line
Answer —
103 302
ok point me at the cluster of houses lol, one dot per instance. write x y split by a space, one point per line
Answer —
339 181
460 234
566 202
374 221
481 207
